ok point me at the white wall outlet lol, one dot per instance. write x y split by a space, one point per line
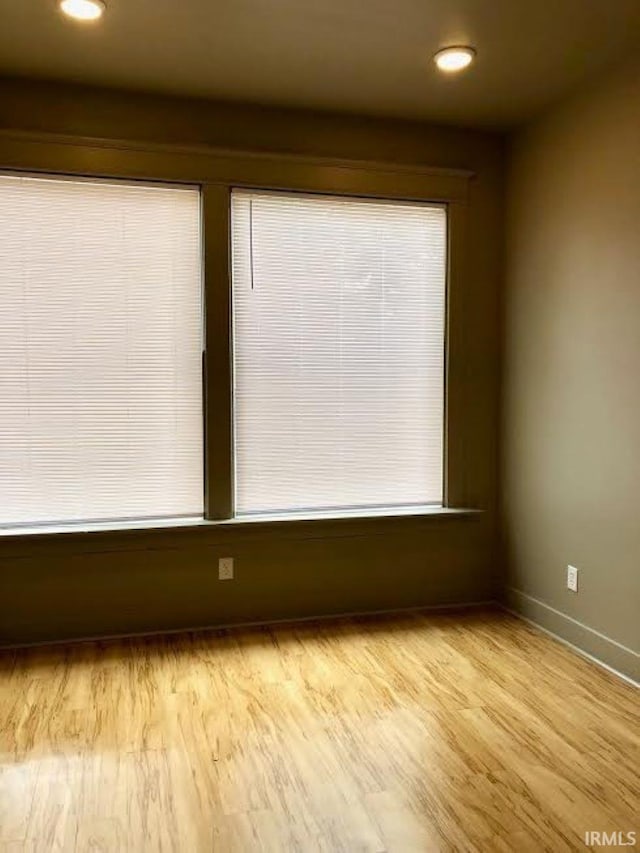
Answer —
572 578
225 569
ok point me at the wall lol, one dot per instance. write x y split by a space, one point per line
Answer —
571 429
86 585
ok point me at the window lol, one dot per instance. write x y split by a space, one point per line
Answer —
100 351
336 366
338 334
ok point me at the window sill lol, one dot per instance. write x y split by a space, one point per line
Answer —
144 524
334 515
250 521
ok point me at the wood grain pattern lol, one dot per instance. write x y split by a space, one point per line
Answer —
461 731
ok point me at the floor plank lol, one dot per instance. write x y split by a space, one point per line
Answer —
464 731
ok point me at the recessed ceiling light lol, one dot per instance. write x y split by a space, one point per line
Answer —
83 10
451 59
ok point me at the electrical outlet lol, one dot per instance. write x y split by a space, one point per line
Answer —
225 569
572 578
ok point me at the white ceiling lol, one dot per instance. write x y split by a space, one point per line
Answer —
361 56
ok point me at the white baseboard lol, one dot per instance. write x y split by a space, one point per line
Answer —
597 647
261 623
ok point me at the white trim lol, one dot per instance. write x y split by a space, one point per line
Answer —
601 639
328 617
263 623
575 621
196 522
571 646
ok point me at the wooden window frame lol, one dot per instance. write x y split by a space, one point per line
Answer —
217 173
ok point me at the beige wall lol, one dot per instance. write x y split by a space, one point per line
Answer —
571 429
116 583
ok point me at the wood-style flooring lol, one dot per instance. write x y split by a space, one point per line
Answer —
461 731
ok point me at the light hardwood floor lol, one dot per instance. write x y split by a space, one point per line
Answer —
452 731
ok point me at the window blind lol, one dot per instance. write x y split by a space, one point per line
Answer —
338 330
100 351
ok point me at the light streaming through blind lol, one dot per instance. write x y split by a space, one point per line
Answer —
100 351
339 317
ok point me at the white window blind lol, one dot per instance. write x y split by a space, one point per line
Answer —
339 318
100 351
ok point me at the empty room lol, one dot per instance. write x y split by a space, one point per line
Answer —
319 426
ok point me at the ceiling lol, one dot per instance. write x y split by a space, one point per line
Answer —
360 56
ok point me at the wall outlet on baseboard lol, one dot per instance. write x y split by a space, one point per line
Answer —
225 569
572 578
